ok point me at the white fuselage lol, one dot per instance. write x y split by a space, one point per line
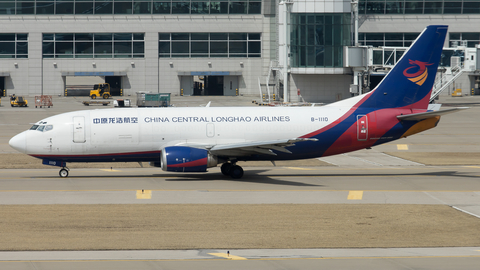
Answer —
129 130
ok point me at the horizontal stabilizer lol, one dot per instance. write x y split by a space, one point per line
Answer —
426 115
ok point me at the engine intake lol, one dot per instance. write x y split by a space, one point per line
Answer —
186 159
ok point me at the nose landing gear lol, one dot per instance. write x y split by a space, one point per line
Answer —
63 172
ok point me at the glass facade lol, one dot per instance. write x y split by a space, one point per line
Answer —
462 39
390 56
13 45
193 45
101 7
387 39
393 7
98 45
317 40
405 39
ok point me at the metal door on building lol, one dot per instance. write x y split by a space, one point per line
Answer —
78 129
362 127
230 85
186 85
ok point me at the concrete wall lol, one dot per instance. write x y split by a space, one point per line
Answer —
321 88
251 69
151 73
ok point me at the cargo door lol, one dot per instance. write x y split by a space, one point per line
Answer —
362 127
78 129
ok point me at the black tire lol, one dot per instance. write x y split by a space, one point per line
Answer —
93 96
63 173
226 167
105 96
236 172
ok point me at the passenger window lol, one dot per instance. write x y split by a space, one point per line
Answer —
40 128
48 127
34 127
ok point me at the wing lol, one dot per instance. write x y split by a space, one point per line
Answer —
251 148
426 115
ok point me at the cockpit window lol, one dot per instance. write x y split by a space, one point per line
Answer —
42 128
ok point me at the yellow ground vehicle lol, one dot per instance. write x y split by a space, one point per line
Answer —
18 101
100 90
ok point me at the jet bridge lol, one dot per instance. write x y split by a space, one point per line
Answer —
371 64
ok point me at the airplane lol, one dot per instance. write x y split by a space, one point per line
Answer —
195 139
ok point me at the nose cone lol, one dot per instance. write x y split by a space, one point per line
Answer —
19 142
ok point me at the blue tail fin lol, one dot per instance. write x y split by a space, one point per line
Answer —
410 82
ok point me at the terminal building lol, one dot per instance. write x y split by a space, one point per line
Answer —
299 50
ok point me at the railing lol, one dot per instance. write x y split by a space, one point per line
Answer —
445 80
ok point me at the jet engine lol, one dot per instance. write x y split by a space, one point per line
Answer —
187 159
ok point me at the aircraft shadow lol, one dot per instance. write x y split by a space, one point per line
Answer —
250 176
439 174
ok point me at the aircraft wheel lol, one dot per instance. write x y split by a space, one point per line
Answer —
63 173
93 96
236 172
226 167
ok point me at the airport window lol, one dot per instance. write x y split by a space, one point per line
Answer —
194 45
103 7
13 45
317 40
129 7
401 7
98 45
464 39
387 39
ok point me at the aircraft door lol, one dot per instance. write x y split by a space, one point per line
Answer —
362 127
230 85
210 130
78 129
186 85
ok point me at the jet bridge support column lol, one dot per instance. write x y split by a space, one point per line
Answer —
284 46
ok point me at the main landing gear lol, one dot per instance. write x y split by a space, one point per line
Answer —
63 172
230 169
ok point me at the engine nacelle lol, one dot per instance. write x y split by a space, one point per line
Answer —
187 159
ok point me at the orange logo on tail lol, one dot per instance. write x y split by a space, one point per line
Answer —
421 75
